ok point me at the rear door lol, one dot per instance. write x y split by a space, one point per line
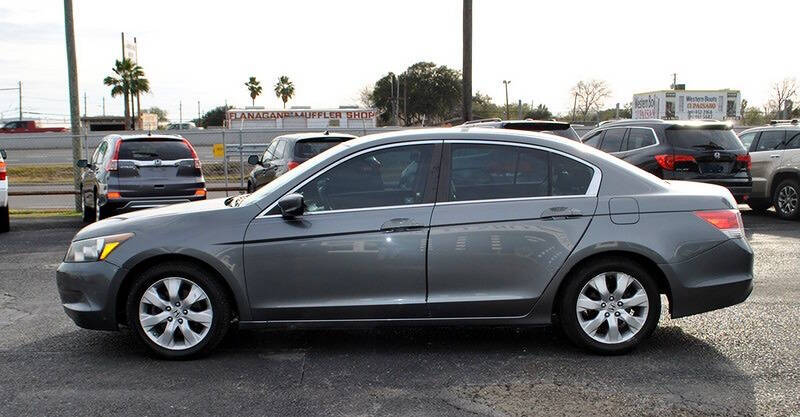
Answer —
766 157
506 217
157 167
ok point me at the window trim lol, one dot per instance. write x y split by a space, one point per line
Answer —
294 189
592 191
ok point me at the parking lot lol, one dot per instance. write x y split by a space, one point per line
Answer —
737 361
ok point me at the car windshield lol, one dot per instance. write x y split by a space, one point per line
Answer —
151 149
287 177
711 139
310 148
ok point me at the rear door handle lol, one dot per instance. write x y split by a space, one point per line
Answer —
774 156
560 213
401 225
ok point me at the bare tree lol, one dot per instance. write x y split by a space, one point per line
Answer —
589 96
780 93
365 96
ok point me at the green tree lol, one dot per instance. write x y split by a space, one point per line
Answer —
484 108
423 92
213 117
254 87
120 84
161 113
541 112
752 116
139 84
284 89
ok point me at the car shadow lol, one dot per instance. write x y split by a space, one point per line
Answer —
480 369
769 223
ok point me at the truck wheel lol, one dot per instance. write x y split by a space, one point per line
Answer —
5 221
787 199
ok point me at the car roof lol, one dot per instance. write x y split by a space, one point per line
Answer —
668 123
504 123
781 125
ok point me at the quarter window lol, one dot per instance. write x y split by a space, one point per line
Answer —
770 139
612 142
388 177
747 139
639 138
594 140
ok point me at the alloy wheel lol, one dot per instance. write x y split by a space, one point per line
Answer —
175 313
612 307
787 200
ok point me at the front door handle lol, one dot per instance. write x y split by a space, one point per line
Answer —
560 213
401 225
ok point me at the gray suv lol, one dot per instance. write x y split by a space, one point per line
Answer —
775 156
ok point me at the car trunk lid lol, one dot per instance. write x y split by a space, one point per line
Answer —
157 167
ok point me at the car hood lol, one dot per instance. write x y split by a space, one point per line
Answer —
140 221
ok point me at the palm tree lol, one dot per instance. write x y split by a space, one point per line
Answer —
121 84
139 84
284 89
255 88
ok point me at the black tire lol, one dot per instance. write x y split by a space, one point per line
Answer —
787 211
88 213
759 206
100 212
250 187
568 316
5 220
221 305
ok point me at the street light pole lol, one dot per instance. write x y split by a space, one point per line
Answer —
74 103
506 82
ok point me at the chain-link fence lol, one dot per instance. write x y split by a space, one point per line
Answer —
40 167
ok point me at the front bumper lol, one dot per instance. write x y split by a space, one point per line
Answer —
88 293
720 277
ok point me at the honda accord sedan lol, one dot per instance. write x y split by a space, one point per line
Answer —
440 226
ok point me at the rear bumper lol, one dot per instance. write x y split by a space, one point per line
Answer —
137 203
741 190
717 278
87 291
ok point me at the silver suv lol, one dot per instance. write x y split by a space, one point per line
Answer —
775 156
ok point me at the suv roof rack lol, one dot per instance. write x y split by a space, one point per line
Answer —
493 119
784 122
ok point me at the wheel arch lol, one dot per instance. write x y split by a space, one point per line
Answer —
148 262
779 177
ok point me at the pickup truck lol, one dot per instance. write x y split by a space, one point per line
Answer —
30 126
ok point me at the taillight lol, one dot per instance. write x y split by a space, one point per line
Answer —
667 161
745 159
113 164
292 165
727 221
3 171
113 195
201 192
197 163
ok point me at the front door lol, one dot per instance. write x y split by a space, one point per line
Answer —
506 219
359 250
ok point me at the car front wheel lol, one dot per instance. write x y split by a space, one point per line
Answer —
88 213
609 306
5 220
787 199
178 310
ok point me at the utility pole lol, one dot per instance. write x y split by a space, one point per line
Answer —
180 114
198 109
674 80
85 105
506 82
74 103
20 100
104 105
466 70
519 110
574 106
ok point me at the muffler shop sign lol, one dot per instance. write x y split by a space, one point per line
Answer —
306 114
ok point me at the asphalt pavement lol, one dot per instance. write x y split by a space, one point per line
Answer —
741 360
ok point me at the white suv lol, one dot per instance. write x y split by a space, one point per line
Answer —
4 222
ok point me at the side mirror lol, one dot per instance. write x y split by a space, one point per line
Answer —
3 153
291 206
82 163
254 160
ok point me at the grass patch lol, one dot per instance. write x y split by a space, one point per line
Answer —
34 213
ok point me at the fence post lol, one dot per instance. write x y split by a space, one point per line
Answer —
241 161
225 161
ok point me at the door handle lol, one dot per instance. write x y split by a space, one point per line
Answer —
774 156
401 225
560 213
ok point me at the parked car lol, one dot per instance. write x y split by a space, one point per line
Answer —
553 127
5 221
31 126
182 126
430 226
775 154
286 152
702 151
139 171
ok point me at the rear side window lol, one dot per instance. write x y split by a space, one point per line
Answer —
306 149
594 140
747 139
568 176
612 142
568 133
718 139
152 149
639 138
770 139
793 140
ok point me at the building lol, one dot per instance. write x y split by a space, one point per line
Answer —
684 104
302 118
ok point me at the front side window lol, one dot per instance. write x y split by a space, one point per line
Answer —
388 177
279 149
612 142
770 139
268 154
639 138
99 152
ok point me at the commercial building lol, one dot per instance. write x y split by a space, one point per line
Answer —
301 118
682 104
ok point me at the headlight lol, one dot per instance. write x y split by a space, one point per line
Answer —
96 249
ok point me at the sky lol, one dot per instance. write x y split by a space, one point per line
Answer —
205 50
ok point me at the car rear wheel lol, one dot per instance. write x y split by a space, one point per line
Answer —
759 206
5 220
88 213
609 306
787 199
178 310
